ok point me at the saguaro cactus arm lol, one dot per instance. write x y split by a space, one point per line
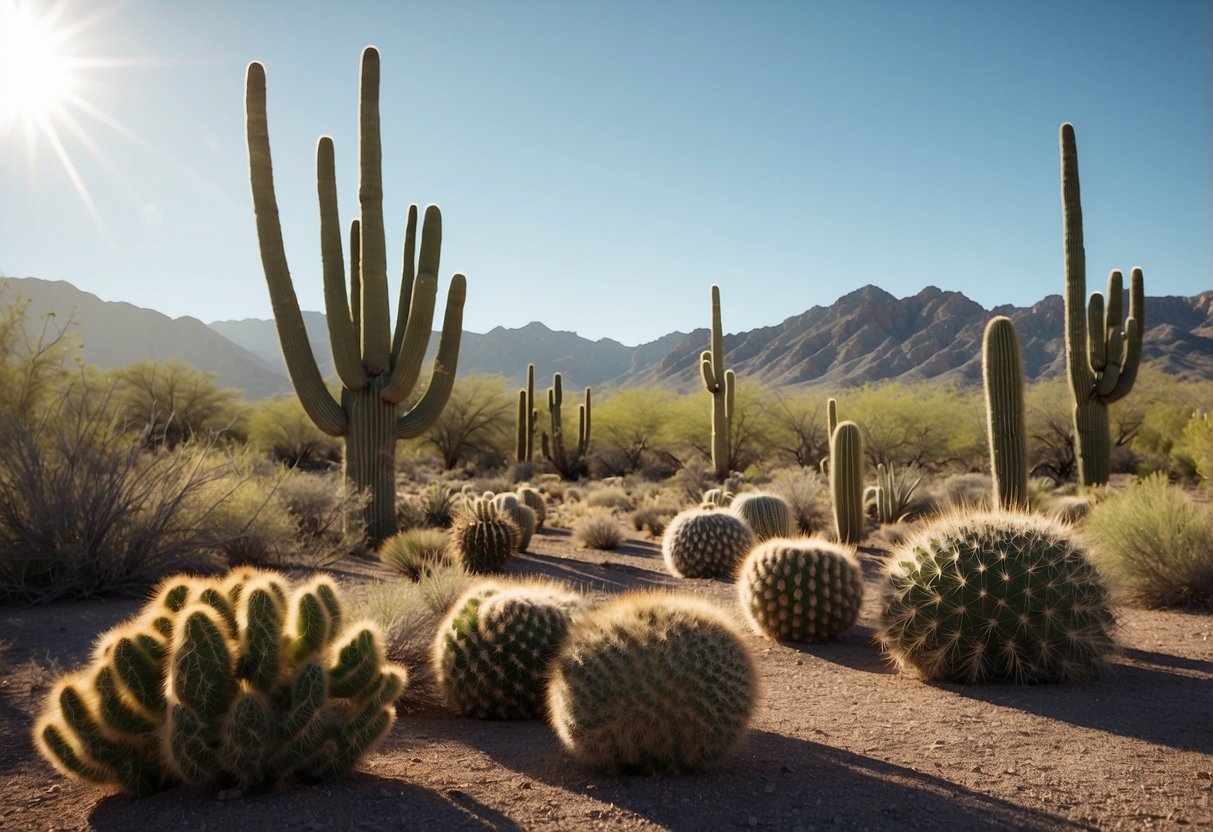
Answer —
1122 350
415 336
342 334
442 380
376 336
320 405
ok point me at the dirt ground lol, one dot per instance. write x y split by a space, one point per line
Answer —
839 741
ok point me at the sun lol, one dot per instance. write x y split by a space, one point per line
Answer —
38 76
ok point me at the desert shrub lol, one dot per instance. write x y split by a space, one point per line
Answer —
1155 543
1068 508
892 498
409 611
807 494
171 402
962 491
1198 446
598 529
414 551
280 428
693 478
437 504
477 423
609 496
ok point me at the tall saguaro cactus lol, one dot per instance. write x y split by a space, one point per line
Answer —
378 368
720 383
1002 370
1102 354
570 462
527 414
846 481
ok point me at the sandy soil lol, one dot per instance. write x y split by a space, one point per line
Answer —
839 741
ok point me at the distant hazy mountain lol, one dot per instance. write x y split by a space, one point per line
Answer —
865 336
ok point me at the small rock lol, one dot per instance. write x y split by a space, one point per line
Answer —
769 789
838 820
753 821
1204 775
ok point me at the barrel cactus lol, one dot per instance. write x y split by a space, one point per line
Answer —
492 652
806 589
533 500
509 504
222 683
767 515
483 538
701 543
652 682
995 597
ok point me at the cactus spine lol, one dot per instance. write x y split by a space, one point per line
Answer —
652 682
483 538
570 463
1002 371
224 683
846 481
720 383
1102 354
377 368
527 416
704 543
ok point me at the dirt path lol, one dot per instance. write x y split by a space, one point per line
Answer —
840 741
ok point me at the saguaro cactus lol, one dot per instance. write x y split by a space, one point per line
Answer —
1002 369
527 414
721 384
846 481
378 368
1102 354
569 462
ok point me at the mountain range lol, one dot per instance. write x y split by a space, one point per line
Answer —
865 336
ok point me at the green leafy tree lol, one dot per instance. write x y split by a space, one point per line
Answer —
173 402
36 358
630 425
477 421
281 428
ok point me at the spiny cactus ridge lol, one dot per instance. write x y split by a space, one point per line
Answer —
1002 373
225 682
652 682
483 538
533 500
521 514
492 652
995 597
702 543
767 515
801 589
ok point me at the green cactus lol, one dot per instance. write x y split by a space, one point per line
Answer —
535 502
995 597
378 369
483 538
846 481
717 498
767 515
703 543
804 589
721 384
492 652
288 692
570 463
521 514
892 493
652 682
1102 353
527 416
1002 371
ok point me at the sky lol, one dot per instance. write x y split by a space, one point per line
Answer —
600 165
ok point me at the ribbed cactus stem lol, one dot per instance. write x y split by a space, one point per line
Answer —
1002 370
846 481
1102 352
568 462
720 383
527 416
378 369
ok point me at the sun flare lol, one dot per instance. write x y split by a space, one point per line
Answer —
37 76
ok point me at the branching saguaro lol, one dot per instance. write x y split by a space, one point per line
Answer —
721 384
569 460
1102 353
378 367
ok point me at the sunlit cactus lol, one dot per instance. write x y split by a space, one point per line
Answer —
767 515
801 589
378 368
846 481
704 543
483 538
721 384
1002 372
522 514
569 460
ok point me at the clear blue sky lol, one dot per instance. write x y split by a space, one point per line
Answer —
599 165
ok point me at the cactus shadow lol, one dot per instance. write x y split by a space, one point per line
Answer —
361 801
605 576
856 650
1154 697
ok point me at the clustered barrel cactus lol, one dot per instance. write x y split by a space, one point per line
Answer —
721 384
1102 353
492 652
234 682
378 369
1002 372
805 589
522 515
483 538
767 515
652 682
533 500
995 597
702 543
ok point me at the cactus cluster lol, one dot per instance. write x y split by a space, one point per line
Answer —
1102 352
483 538
995 597
702 543
508 503
805 589
1002 372
767 515
232 682
652 682
568 460
492 652
378 368
527 416
721 384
